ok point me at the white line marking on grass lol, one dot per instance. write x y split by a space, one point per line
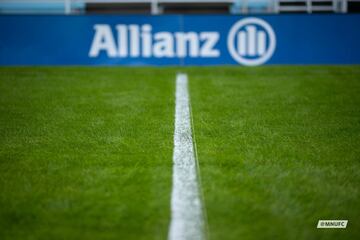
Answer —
186 210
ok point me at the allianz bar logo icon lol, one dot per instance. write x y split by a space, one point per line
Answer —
250 42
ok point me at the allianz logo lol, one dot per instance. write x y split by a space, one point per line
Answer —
139 41
250 41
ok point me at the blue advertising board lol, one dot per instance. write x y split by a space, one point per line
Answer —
179 40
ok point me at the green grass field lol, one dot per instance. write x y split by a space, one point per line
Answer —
86 153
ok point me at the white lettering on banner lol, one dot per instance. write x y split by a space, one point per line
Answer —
103 40
183 40
164 45
122 39
210 39
139 41
250 41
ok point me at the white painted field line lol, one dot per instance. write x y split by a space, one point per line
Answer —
187 221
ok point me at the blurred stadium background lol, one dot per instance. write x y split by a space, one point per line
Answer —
177 6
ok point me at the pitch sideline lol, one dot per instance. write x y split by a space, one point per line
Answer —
186 210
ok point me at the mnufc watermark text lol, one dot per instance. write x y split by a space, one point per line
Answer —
332 223
139 41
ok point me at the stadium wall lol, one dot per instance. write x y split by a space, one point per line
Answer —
179 39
